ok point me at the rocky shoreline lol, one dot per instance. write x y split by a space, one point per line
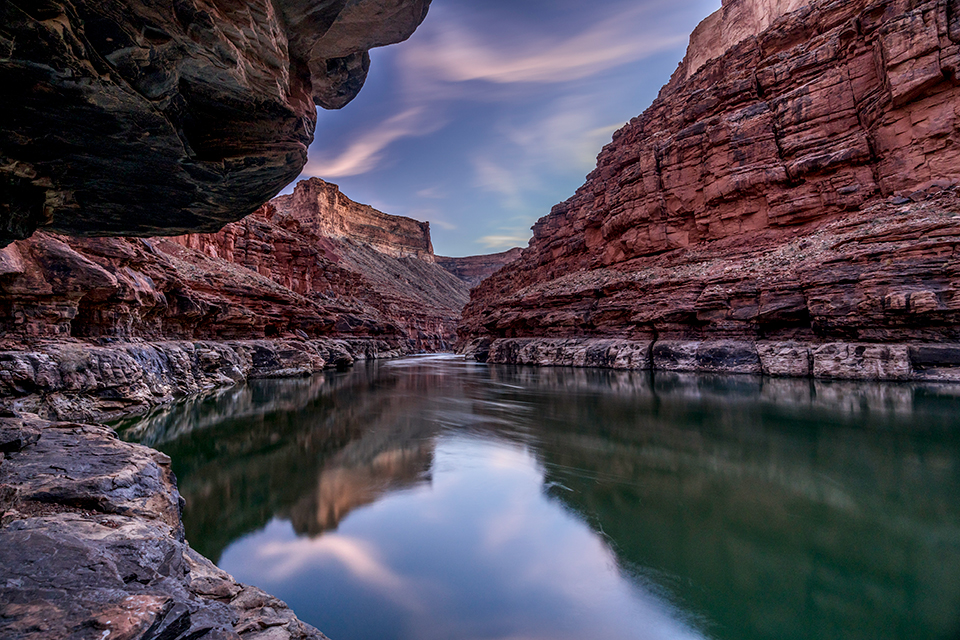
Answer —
92 546
832 360
75 380
91 538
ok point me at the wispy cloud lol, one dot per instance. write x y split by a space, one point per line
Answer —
364 153
492 176
506 241
457 53
432 193
445 54
433 216
443 224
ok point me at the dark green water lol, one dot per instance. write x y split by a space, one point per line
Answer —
430 498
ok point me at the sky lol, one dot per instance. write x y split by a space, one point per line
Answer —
495 110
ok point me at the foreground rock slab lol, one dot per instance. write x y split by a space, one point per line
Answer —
92 546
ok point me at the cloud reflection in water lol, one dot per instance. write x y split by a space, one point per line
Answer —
479 553
516 502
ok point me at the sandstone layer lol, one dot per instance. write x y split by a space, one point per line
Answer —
475 269
373 273
793 186
92 546
322 210
171 116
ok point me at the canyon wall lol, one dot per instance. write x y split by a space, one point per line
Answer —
475 269
270 275
323 210
171 116
795 195
320 244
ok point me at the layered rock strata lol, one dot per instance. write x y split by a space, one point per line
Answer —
158 118
321 209
793 186
475 269
78 381
267 276
92 546
379 268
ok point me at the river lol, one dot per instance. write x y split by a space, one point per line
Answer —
432 498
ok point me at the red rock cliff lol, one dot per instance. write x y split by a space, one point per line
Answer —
790 183
317 242
323 210
272 274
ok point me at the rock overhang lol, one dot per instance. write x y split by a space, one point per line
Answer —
161 117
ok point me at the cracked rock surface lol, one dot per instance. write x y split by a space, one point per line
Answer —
91 546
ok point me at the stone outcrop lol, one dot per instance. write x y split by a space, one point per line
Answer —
834 360
158 118
92 546
322 210
267 276
475 269
792 185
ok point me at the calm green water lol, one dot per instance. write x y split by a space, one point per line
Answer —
429 498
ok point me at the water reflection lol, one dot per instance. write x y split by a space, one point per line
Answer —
459 500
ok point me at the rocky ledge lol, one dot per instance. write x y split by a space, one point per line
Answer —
796 183
92 546
834 360
78 381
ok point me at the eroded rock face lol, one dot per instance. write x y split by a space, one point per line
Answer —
799 187
322 210
170 116
378 268
272 275
475 269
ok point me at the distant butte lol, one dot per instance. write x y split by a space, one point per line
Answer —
162 118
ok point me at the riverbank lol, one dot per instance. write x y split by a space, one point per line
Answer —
91 537
86 381
796 359
92 546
